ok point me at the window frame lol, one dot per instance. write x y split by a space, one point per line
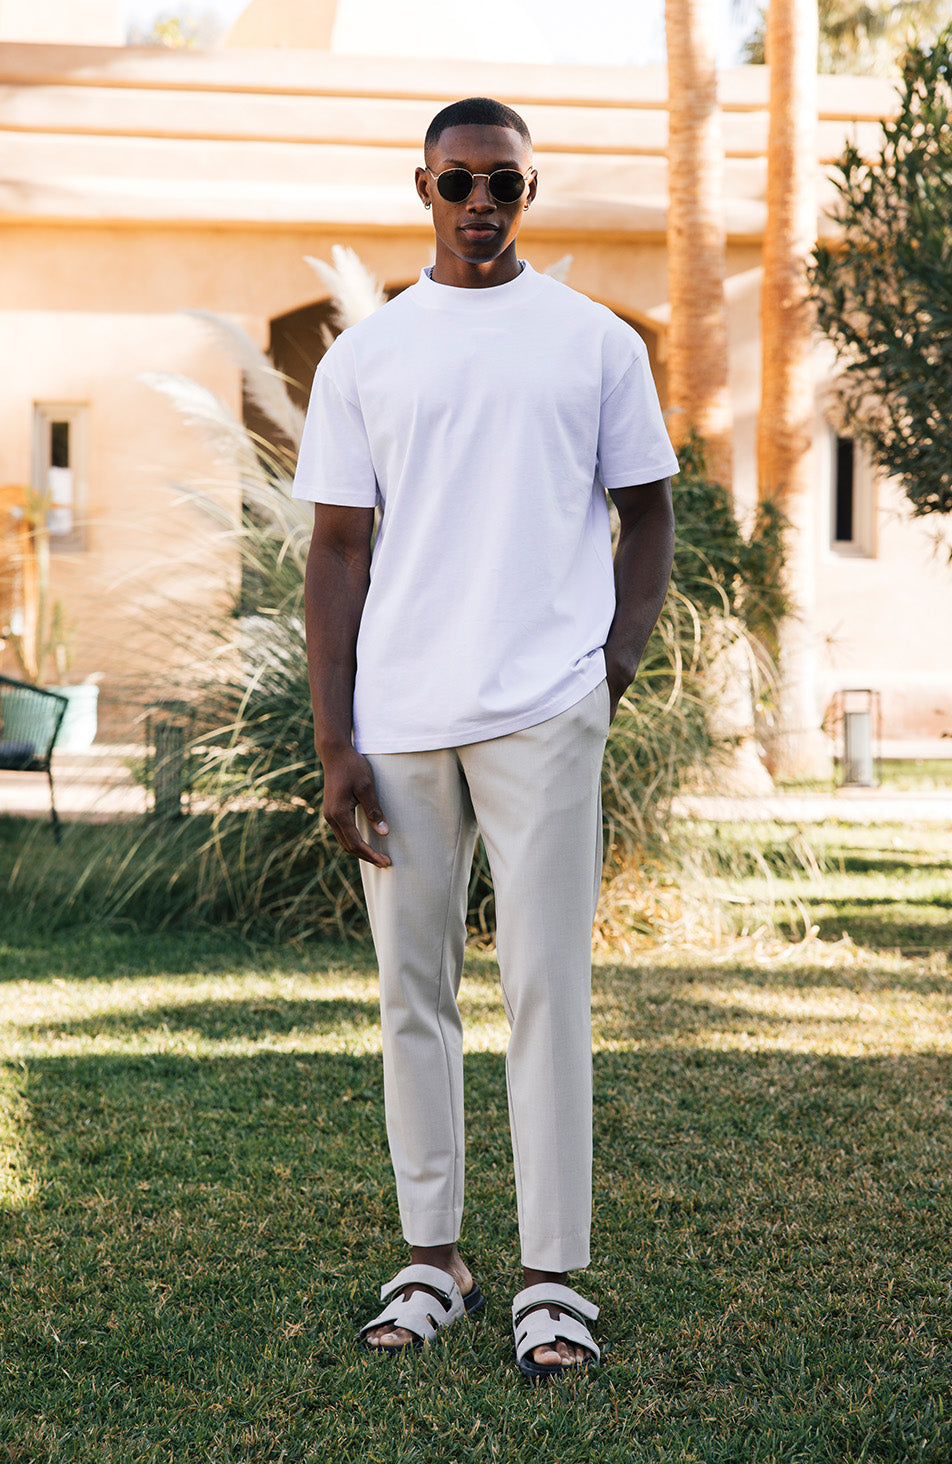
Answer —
45 416
863 541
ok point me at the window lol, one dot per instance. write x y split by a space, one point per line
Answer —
59 471
852 499
844 482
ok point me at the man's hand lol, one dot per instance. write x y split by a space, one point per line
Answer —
335 588
349 784
619 679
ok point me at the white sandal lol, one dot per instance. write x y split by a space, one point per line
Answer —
425 1312
533 1327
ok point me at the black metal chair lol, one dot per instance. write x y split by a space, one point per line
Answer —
30 718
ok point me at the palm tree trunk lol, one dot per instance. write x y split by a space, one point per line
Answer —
697 335
785 453
698 355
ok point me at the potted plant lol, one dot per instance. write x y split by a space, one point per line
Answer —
38 632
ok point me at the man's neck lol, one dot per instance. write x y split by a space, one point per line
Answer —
466 274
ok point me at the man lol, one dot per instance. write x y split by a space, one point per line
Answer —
465 665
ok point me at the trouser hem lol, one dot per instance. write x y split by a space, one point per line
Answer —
432 1227
562 1253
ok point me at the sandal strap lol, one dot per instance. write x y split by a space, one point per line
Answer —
539 1330
441 1283
425 1312
533 1326
552 1293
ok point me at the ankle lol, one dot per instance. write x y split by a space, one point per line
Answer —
532 1277
441 1256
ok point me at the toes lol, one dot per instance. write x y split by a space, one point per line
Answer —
561 1355
394 1338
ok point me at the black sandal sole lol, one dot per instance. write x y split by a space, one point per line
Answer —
540 1372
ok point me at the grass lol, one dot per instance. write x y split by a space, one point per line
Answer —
915 772
901 774
885 887
198 1205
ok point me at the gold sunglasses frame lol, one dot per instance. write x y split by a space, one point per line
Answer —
526 180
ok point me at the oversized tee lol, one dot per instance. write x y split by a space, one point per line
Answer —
484 425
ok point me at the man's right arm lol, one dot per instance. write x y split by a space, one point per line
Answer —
335 587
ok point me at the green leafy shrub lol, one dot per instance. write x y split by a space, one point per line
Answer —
883 287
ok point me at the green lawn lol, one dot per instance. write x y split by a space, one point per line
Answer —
916 772
887 887
198 1205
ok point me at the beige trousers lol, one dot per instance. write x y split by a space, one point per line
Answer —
534 796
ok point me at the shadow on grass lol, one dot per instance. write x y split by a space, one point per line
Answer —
864 861
90 952
630 987
221 1020
898 903
885 923
205 1236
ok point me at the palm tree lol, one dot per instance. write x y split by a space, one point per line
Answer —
872 37
785 456
697 335
866 36
698 370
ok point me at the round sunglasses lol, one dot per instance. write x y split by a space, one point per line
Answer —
506 185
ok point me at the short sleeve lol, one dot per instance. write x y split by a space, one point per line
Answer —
335 464
633 442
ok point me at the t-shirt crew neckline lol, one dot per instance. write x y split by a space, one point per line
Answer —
433 296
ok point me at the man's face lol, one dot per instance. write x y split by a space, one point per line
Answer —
479 230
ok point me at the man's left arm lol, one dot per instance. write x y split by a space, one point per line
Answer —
643 559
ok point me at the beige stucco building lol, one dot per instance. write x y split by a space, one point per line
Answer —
140 184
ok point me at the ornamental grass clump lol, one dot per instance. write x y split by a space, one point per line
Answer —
256 851
725 600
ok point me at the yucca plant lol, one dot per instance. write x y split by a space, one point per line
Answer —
259 853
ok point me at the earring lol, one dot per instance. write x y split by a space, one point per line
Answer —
426 205
525 208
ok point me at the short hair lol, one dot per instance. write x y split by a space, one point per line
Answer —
478 112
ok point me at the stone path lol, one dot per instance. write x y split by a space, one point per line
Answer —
94 786
846 805
97 786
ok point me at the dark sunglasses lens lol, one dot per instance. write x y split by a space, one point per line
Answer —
455 185
506 185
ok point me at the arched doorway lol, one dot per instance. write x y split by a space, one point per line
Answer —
297 341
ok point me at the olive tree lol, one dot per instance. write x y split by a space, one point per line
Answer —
883 286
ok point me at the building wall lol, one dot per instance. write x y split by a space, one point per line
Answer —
151 562
140 184
883 619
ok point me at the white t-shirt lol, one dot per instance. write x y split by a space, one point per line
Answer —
484 425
